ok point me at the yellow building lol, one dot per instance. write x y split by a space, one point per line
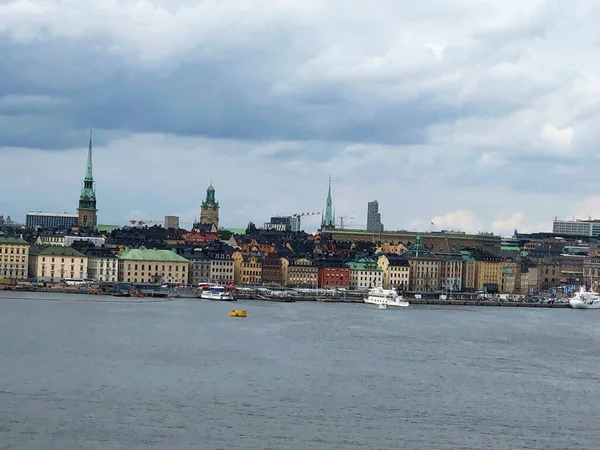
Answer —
55 264
153 266
302 272
14 258
488 272
395 271
247 268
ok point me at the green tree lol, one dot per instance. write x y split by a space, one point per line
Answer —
224 234
251 229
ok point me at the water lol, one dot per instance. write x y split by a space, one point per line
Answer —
84 373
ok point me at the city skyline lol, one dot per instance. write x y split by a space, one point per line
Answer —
459 121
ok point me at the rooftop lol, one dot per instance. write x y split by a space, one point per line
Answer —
8 240
142 254
57 251
53 214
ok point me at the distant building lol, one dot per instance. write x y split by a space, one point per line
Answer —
171 222
87 212
40 219
54 264
283 223
14 258
209 211
589 227
374 217
153 266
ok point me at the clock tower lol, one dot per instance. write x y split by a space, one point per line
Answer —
209 211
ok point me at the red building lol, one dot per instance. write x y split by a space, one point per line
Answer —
329 277
199 237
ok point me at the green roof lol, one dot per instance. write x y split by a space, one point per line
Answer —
13 241
364 264
509 248
107 228
142 254
234 230
58 251
412 234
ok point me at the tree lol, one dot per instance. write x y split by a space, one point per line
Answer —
251 229
224 234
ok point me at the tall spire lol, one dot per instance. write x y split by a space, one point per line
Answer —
328 220
88 172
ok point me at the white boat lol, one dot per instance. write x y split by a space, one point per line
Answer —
585 300
217 293
380 296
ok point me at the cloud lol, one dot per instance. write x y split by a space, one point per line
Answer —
461 220
484 109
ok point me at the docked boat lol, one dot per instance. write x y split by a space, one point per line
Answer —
585 300
217 293
387 297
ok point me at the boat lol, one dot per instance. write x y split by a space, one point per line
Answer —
585 300
217 293
238 313
382 306
387 297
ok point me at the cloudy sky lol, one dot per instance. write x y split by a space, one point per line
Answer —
473 115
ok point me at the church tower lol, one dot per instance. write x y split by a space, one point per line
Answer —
329 216
209 211
87 200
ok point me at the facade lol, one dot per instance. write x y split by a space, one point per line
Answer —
365 274
103 264
87 212
94 240
153 266
488 272
50 220
591 272
14 258
302 273
55 264
468 271
328 222
548 275
424 268
199 237
200 264
247 268
283 223
209 211
576 227
395 271
451 272
171 222
252 245
221 266
271 270
374 217
333 273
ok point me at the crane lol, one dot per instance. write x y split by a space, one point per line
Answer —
342 218
300 215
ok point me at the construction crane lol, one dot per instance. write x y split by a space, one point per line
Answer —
342 218
141 223
300 215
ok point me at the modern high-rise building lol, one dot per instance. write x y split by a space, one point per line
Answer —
374 217
87 212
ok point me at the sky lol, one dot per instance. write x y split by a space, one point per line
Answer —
454 114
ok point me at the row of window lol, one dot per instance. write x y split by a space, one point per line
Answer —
62 260
15 259
143 267
14 251
11 273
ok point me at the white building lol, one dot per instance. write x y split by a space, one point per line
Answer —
365 274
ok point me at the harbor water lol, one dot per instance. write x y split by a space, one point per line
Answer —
91 372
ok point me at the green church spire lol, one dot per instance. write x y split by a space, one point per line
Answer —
88 172
87 199
328 218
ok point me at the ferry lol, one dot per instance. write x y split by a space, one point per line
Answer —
387 297
585 300
216 292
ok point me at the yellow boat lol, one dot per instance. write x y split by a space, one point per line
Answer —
238 313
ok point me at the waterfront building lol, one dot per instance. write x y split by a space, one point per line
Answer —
468 271
221 264
103 264
153 266
374 217
333 273
87 212
171 222
247 268
328 222
424 267
209 211
488 271
302 273
395 271
548 274
200 264
50 220
591 271
451 271
271 270
365 273
14 258
55 264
